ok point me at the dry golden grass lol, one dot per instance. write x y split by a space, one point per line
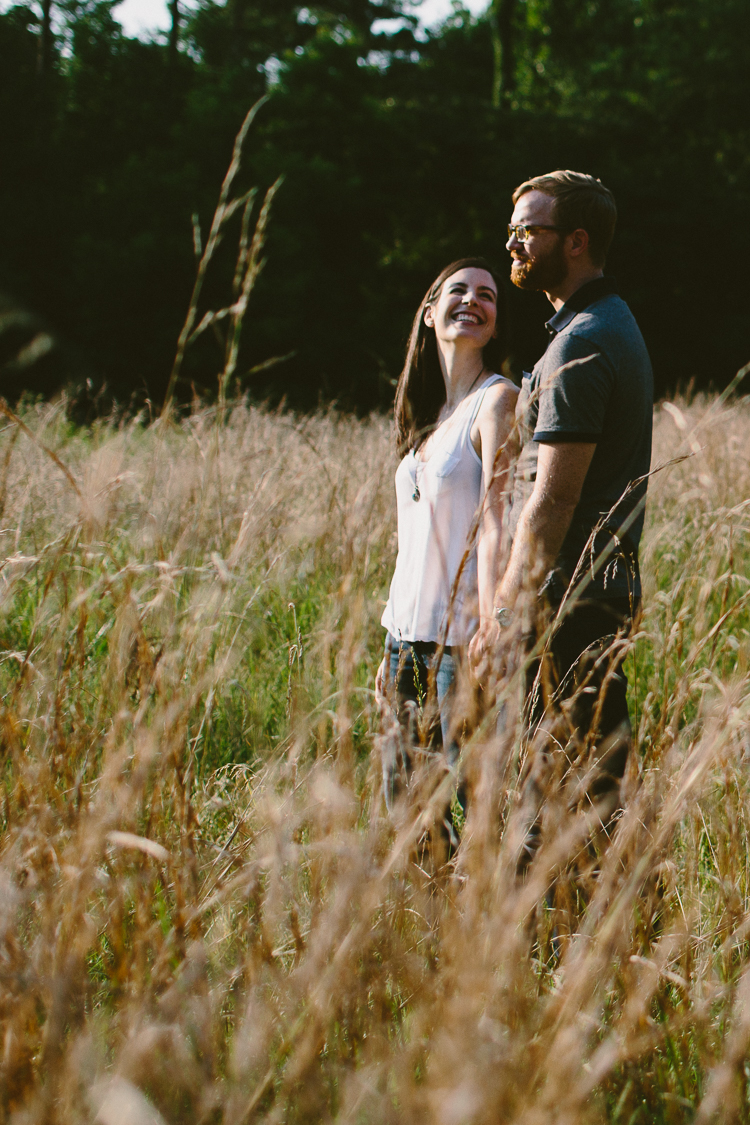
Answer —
207 915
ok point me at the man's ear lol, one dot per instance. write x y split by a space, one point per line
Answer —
577 242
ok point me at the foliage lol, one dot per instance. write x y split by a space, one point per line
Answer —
395 160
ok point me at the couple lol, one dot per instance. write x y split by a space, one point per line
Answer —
475 529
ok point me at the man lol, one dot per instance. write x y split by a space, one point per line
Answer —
584 416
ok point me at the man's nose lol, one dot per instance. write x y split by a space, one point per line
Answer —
512 241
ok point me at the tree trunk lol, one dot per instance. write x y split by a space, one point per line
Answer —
504 76
174 31
44 57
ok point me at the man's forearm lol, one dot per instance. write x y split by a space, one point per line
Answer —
546 516
539 537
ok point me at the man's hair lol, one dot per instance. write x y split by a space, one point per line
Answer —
581 202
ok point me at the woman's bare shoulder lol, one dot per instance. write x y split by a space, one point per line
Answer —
496 417
500 398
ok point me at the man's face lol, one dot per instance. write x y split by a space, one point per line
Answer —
539 262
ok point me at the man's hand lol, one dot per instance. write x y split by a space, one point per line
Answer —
484 649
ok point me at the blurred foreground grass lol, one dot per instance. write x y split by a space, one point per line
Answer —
205 915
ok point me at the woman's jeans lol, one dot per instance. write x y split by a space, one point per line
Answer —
411 675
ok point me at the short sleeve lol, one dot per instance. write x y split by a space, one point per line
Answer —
574 392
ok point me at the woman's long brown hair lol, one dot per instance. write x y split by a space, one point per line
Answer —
420 394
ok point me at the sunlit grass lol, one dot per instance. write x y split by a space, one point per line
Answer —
206 914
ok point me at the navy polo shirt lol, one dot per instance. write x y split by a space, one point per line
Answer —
593 384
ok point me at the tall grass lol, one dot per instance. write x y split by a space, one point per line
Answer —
207 915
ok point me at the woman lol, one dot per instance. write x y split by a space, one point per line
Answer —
454 417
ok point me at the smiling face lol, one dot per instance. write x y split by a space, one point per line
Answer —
465 309
539 263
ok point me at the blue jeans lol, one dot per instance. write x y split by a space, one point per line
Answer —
423 694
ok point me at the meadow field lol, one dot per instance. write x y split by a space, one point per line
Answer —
206 915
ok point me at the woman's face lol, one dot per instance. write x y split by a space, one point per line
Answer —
466 308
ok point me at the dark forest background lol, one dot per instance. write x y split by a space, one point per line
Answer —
399 153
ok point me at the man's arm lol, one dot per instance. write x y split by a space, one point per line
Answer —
541 530
547 514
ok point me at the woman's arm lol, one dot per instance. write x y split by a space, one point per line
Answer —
494 440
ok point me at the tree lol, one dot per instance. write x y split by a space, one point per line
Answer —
503 48
395 161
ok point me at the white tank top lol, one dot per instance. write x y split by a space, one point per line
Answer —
435 532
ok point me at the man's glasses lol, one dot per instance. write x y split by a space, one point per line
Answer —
522 231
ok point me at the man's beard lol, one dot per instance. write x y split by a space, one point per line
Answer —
545 272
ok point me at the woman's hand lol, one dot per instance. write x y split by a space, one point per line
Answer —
380 697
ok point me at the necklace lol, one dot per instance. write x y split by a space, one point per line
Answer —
416 494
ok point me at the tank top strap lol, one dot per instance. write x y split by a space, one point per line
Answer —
490 381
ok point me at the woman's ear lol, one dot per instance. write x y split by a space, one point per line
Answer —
428 317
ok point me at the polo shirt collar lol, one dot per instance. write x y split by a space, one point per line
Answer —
580 300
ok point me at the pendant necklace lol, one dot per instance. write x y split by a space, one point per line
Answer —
416 494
